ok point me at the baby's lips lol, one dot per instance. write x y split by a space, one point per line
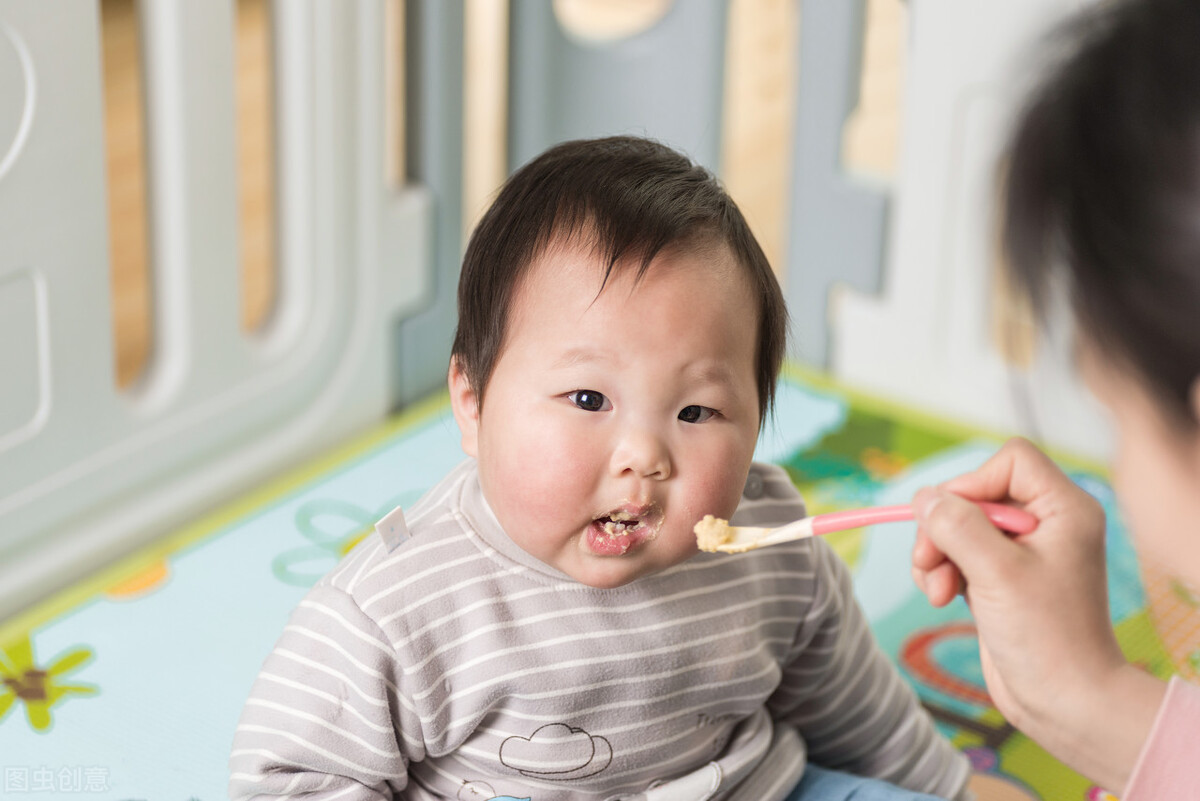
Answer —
639 514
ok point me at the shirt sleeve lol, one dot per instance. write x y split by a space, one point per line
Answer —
850 703
1167 766
326 714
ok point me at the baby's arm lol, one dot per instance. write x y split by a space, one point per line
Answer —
324 717
850 703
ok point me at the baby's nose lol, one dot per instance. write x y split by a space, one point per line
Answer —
643 453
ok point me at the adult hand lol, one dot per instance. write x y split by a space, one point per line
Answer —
1049 655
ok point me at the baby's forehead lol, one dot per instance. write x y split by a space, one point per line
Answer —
576 281
585 247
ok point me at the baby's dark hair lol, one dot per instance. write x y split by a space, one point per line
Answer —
629 198
1102 184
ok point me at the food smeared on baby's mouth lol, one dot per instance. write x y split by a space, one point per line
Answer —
615 533
613 527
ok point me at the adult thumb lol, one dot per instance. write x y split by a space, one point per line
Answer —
960 530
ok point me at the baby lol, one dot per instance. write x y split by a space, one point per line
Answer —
549 630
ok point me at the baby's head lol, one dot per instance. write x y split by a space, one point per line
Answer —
620 334
626 198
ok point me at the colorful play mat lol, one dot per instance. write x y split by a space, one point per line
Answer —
129 685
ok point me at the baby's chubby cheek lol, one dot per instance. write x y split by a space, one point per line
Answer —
531 480
717 493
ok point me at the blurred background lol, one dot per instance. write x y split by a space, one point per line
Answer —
230 231
754 152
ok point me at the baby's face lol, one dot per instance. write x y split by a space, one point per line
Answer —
614 422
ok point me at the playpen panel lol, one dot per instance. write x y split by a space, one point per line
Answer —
927 338
434 91
31 207
192 175
52 229
97 470
666 81
22 353
837 218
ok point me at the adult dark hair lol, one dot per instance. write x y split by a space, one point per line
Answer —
629 198
1103 186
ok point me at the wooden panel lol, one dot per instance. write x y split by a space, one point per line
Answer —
871 140
759 114
394 141
126 153
124 127
485 96
256 161
760 77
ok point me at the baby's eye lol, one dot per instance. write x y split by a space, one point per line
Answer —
695 414
589 400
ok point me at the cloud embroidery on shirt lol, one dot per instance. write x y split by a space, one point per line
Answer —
557 751
482 791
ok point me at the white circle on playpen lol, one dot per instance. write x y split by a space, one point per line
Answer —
16 118
600 21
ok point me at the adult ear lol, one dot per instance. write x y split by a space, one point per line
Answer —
465 406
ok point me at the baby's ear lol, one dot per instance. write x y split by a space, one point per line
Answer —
465 405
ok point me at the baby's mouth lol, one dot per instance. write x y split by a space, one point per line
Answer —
615 533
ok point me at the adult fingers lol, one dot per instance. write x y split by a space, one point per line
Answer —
1018 471
934 574
943 583
926 555
960 530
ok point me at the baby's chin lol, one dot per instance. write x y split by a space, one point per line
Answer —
606 582
611 572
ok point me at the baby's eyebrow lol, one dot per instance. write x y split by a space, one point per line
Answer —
578 355
699 373
712 374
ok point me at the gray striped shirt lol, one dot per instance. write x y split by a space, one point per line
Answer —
457 666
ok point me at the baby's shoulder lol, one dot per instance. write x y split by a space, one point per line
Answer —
770 498
410 550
